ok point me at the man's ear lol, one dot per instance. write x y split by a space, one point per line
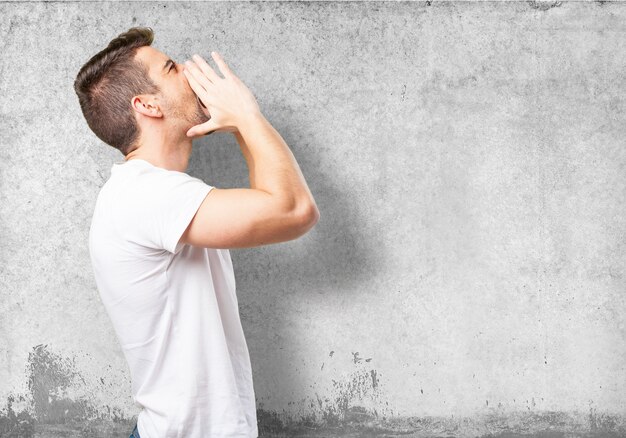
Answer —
147 105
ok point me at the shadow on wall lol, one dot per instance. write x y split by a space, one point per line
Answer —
347 249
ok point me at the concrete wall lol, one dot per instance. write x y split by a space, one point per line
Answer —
468 159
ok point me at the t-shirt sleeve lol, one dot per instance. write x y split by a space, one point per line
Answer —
161 208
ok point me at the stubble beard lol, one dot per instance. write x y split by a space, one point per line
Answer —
180 110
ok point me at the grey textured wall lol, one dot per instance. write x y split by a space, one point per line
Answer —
466 277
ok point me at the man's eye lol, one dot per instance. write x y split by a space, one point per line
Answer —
172 66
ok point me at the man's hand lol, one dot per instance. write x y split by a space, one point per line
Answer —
205 110
227 100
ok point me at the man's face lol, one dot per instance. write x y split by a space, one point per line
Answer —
178 101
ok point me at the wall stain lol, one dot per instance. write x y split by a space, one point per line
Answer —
48 411
359 423
50 377
544 5
16 424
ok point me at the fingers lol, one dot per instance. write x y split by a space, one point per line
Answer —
196 86
226 71
206 68
202 129
192 70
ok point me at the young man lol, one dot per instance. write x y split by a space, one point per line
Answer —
159 238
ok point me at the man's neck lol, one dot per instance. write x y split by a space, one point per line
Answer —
170 158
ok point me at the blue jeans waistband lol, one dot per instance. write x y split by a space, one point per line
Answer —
134 433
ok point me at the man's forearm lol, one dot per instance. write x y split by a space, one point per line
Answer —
245 150
271 164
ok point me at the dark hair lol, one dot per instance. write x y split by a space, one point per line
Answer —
106 84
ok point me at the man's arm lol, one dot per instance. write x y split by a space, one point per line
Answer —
272 166
278 206
246 153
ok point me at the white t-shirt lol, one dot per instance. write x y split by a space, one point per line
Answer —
173 306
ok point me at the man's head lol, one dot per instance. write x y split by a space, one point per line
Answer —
130 86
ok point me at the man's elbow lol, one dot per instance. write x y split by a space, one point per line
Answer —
310 217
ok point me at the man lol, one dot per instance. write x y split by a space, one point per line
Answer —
159 238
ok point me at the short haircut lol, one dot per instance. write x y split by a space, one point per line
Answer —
106 84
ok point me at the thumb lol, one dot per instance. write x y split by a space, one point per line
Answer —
202 129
